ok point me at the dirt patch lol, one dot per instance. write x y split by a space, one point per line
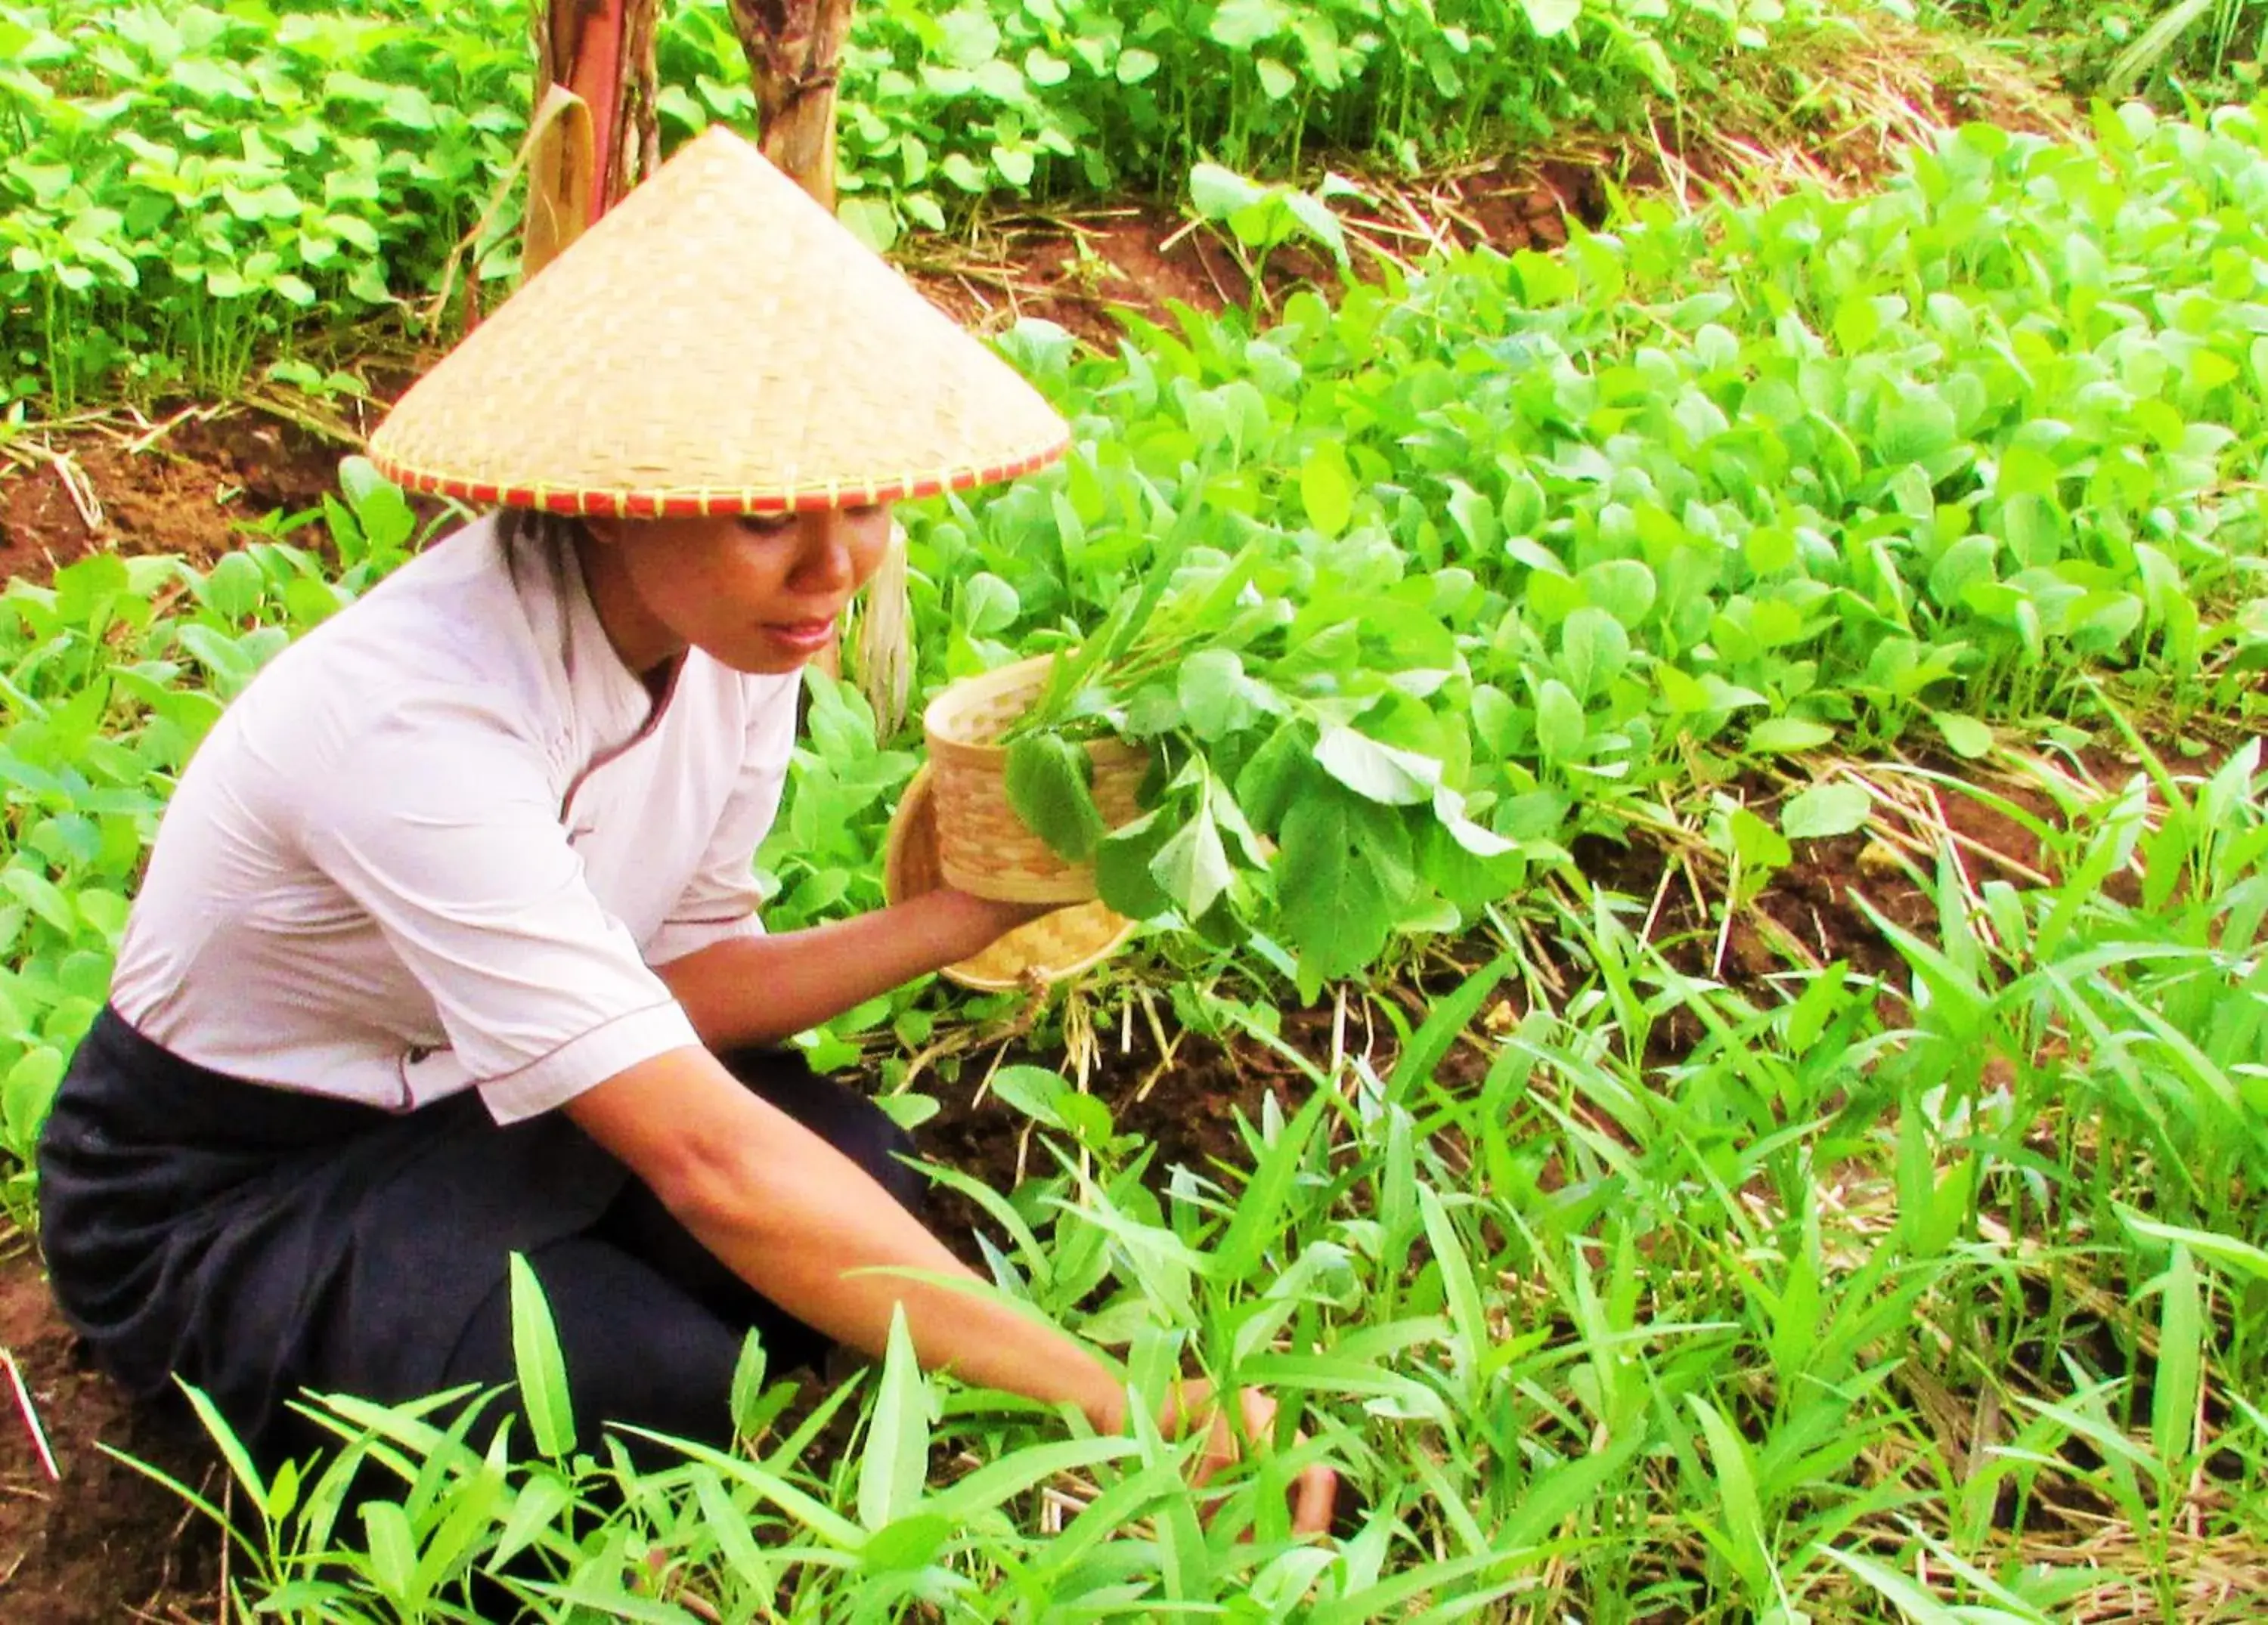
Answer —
1076 268
190 485
1185 1107
104 1543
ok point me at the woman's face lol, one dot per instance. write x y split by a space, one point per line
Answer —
759 592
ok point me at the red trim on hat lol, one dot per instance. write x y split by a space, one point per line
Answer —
651 505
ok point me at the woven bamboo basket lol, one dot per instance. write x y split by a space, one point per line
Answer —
983 847
1054 946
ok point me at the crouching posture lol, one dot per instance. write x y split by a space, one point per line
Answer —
449 947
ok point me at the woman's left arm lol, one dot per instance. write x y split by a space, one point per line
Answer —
765 990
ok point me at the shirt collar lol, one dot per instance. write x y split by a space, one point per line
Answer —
610 702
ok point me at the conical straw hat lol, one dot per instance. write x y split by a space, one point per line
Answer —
717 342
1047 950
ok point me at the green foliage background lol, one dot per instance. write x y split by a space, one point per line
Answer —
183 184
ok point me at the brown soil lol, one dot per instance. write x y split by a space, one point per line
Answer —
189 485
195 480
1076 268
103 1543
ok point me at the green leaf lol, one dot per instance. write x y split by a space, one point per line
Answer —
871 220
1736 1497
1031 1089
1964 735
1474 516
1122 868
969 36
1560 728
1216 699
748 1385
1447 1020
1913 426
1191 866
1217 192
989 605
1327 488
27 1092
234 587
393 1549
1342 875
1241 24
1825 810
1472 1342
1315 217
1550 19
1277 774
1047 780
41 896
1593 650
1377 772
540 1367
1257 1224
908 1543
202 76
2228 1251
2180 1345
895 1467
2026 471
1787 735
1758 846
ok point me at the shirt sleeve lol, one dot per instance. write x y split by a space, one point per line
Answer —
445 828
722 899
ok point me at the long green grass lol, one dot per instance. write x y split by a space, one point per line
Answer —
2171 50
1934 1296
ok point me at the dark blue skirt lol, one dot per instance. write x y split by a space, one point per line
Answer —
254 1241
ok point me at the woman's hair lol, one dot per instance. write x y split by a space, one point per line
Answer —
552 530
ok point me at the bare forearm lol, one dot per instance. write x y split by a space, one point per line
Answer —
762 989
831 1248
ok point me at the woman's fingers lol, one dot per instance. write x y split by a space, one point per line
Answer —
1314 1492
1259 1412
1314 1496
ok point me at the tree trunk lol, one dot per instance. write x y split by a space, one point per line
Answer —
601 53
792 47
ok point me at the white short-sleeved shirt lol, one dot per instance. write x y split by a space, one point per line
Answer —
441 842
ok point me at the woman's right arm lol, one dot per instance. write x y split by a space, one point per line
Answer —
808 1228
765 990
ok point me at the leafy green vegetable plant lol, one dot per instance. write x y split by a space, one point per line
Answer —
188 187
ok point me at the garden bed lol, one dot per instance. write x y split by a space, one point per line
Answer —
1834 1185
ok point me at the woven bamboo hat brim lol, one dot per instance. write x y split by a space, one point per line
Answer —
717 342
1050 948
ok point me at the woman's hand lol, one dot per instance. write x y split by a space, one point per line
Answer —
1195 1405
998 916
764 989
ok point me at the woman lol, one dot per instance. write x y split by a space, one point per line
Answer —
448 947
